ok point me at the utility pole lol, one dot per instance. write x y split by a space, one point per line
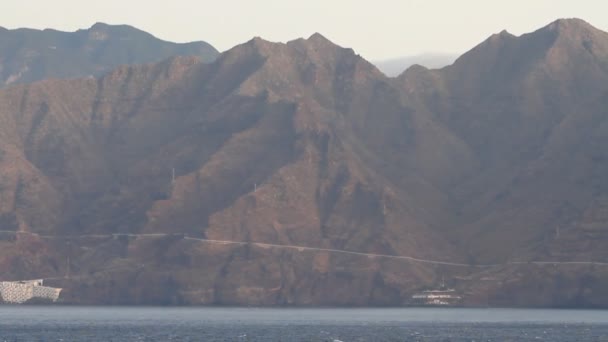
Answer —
172 175
67 272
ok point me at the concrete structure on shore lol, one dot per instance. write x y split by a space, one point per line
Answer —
19 292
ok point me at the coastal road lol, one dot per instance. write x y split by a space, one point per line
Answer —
310 249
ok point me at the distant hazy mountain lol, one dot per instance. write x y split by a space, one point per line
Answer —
487 166
394 67
28 55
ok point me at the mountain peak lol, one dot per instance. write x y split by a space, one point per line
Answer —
103 28
257 40
319 40
559 38
317 37
261 45
569 24
572 29
500 37
504 33
99 25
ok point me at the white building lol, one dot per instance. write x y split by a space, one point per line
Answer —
19 292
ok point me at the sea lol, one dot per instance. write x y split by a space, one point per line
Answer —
57 323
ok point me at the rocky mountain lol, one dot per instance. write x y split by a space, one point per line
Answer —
28 55
288 174
532 110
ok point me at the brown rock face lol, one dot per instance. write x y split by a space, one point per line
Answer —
123 180
532 109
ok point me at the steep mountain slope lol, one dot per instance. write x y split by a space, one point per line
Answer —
28 55
298 144
178 182
532 109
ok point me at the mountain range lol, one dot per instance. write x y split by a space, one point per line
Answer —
28 55
289 174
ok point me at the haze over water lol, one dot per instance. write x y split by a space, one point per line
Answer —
252 324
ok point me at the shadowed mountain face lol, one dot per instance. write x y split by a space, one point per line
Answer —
533 111
497 158
28 55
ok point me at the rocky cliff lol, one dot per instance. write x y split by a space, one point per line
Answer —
288 174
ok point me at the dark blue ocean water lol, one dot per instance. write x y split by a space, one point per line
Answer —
232 324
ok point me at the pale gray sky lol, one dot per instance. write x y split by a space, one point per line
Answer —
377 29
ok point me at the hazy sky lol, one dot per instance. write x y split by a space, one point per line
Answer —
377 29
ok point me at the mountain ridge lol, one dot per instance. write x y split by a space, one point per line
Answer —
29 55
307 144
